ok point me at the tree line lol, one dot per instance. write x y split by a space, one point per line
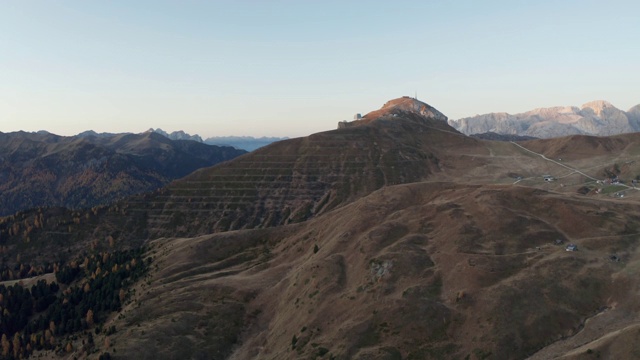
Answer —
86 291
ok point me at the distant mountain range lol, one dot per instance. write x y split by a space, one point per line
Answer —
248 143
43 169
598 118
177 135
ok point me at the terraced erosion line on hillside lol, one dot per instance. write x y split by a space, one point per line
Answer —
296 179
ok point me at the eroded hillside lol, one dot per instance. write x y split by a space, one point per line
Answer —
429 270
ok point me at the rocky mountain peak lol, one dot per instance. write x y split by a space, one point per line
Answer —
176 135
398 108
634 110
598 106
411 105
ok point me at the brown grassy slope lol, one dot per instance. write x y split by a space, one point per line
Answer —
618 344
283 183
617 154
294 180
298 179
429 270
582 146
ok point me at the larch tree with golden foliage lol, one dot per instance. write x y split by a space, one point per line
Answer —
6 345
90 317
17 345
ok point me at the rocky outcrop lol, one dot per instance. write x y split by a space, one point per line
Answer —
177 135
634 116
598 118
398 108
412 105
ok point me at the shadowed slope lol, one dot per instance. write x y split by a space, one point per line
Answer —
48 170
430 270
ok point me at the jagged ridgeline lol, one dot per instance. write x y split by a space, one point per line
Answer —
599 118
43 169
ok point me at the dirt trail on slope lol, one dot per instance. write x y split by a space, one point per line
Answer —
597 330
49 278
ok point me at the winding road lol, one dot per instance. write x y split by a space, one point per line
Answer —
566 166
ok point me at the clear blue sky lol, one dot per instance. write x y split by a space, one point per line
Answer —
292 68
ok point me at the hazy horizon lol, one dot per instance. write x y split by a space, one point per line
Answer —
288 68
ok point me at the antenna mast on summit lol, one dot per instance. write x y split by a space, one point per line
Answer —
416 95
